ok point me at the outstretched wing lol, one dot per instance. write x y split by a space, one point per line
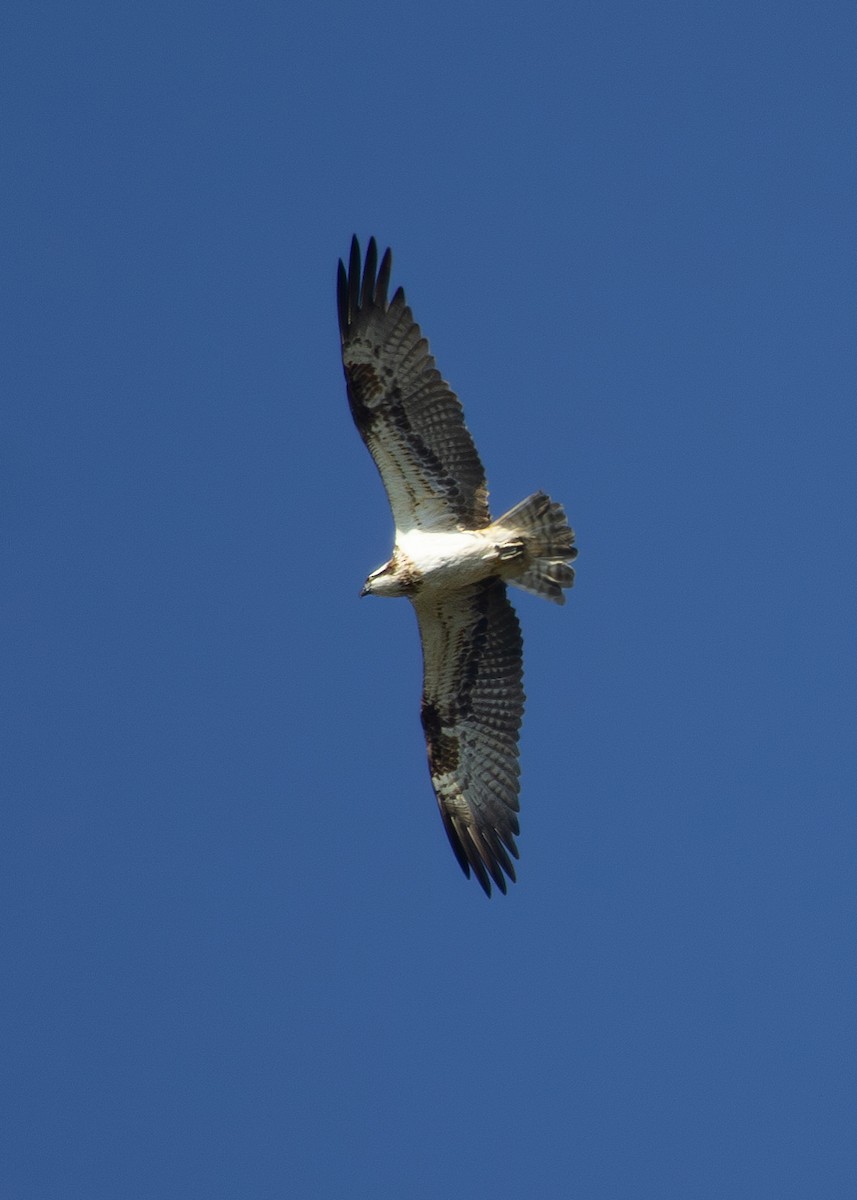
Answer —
473 701
407 415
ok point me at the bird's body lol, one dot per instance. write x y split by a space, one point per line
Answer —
453 562
429 560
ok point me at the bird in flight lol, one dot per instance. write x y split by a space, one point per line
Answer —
452 562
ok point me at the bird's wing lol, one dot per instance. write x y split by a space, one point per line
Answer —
473 701
407 415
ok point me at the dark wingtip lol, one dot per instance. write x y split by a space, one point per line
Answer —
353 279
488 864
455 842
359 288
367 293
342 299
482 875
384 278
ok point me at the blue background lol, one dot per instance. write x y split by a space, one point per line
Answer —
239 958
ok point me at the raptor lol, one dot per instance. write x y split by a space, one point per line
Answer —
452 561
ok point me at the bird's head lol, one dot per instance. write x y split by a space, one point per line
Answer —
387 580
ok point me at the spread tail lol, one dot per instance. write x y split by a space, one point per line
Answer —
540 544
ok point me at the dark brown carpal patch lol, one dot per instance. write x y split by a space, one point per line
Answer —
444 753
364 385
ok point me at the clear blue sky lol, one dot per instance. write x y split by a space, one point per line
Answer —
239 958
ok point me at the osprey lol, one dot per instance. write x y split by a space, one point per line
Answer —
452 562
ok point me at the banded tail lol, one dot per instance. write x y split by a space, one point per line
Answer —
544 541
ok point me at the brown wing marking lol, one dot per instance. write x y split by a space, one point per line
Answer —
473 702
410 419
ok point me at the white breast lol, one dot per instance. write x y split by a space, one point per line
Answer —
448 560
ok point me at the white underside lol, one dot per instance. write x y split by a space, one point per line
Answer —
449 560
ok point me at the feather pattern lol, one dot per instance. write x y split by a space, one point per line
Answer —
473 702
409 418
